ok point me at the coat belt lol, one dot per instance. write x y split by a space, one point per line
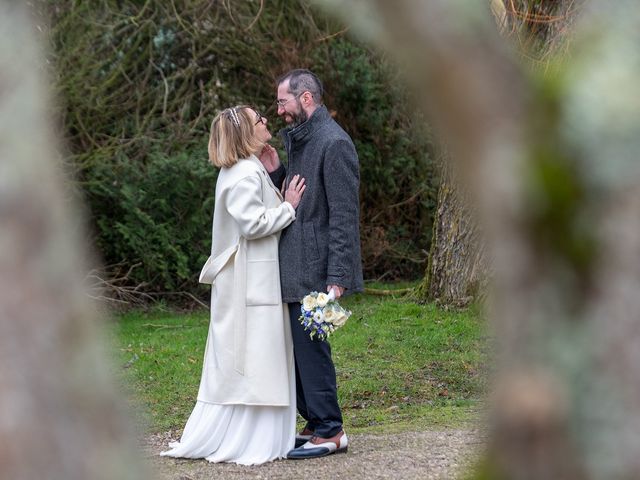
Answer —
208 275
213 266
240 304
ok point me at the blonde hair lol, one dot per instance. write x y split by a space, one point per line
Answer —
232 136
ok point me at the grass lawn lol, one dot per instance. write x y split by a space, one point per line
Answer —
400 365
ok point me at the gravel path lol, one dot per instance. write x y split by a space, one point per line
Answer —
407 455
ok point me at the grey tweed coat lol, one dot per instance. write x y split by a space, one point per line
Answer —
322 246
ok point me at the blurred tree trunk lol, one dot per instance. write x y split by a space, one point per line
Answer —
60 417
551 162
457 270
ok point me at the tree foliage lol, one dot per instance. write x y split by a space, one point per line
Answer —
139 83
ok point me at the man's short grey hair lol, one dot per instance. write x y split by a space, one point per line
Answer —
302 80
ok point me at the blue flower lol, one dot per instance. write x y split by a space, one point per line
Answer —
313 317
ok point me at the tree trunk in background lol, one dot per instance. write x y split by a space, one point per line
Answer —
60 417
551 162
456 271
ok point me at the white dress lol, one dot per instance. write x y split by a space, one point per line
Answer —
243 434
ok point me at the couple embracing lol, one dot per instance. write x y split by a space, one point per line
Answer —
278 234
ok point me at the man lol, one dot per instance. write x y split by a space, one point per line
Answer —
320 251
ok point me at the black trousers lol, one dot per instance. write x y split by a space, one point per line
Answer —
316 390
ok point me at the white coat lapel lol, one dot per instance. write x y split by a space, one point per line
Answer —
266 177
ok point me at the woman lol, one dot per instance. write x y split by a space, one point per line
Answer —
245 411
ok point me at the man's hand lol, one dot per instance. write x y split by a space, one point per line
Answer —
337 290
269 158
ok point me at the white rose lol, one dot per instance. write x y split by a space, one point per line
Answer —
322 299
329 315
341 317
318 316
309 303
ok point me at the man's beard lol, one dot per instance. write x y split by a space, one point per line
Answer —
298 118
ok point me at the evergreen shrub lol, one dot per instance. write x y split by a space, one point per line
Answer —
139 83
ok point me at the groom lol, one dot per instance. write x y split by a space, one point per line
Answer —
320 251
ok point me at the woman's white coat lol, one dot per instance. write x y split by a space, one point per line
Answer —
249 351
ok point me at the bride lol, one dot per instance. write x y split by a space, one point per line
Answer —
245 410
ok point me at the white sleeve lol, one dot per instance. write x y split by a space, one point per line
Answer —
244 203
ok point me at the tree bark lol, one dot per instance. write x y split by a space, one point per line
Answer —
60 417
551 162
456 271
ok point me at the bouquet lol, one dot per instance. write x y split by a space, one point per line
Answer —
322 314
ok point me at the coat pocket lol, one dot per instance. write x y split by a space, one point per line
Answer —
309 242
263 282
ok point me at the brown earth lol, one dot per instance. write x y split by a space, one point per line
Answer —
407 455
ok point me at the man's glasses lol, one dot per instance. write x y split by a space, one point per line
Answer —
282 103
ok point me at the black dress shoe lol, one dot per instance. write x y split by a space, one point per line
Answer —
320 447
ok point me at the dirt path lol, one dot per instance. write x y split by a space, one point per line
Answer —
407 455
